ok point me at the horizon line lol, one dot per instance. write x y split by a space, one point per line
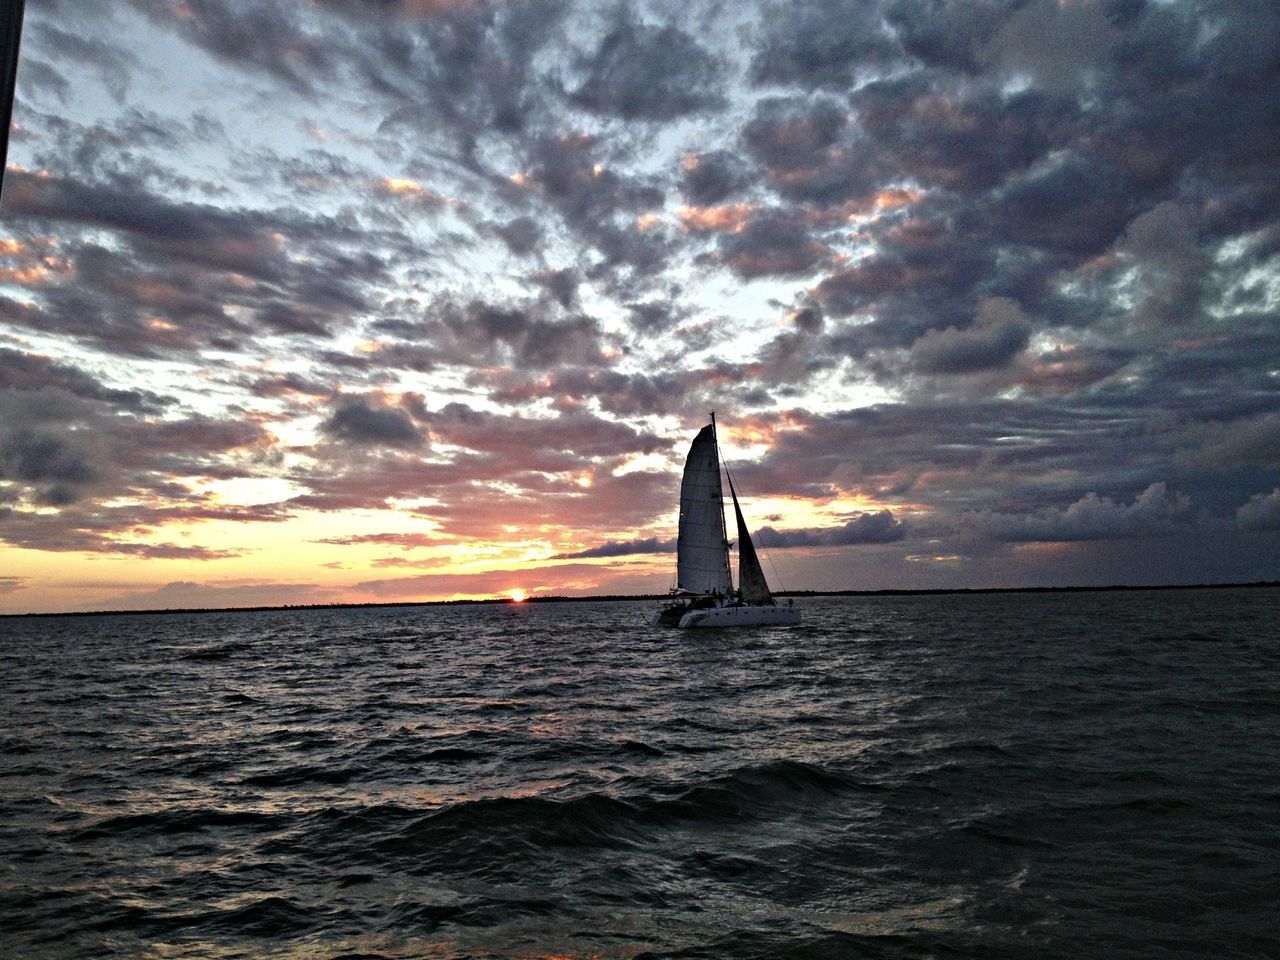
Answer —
555 598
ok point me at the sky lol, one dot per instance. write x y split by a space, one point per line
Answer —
395 300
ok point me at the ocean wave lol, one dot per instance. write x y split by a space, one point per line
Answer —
172 820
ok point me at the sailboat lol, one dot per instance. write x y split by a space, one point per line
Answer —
703 595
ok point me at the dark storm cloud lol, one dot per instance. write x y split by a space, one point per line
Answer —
878 527
1251 438
528 336
710 178
1172 267
654 316
188 265
116 478
1076 206
620 548
1155 512
266 36
96 531
358 422
1001 335
790 359
822 44
961 455
951 35
771 243
521 235
202 234
791 134
561 285
571 171
528 439
30 371
1029 187
937 132
115 65
639 72
1262 512
894 281
38 78
808 317
33 456
82 456
285 384
469 65
621 394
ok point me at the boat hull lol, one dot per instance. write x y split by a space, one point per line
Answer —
746 615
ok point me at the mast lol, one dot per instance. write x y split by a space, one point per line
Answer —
724 533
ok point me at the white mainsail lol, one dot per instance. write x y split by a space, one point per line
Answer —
702 553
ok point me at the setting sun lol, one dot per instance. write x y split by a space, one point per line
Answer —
517 595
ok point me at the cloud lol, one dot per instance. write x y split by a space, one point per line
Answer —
1156 512
941 132
190 595
1000 334
712 177
771 244
100 532
33 456
201 233
359 422
529 336
619 394
620 548
183 276
253 34
521 235
1225 446
1172 268
954 260
794 134
640 72
115 65
877 527
563 579
30 371
405 541
822 44
1261 512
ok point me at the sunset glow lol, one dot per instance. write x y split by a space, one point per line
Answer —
301 321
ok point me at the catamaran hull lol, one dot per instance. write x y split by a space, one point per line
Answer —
744 616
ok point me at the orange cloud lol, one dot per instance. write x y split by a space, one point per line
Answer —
729 218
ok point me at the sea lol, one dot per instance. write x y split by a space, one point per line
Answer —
1004 775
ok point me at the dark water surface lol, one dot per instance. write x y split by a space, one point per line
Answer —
1064 775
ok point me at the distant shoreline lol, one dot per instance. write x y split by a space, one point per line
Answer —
936 591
